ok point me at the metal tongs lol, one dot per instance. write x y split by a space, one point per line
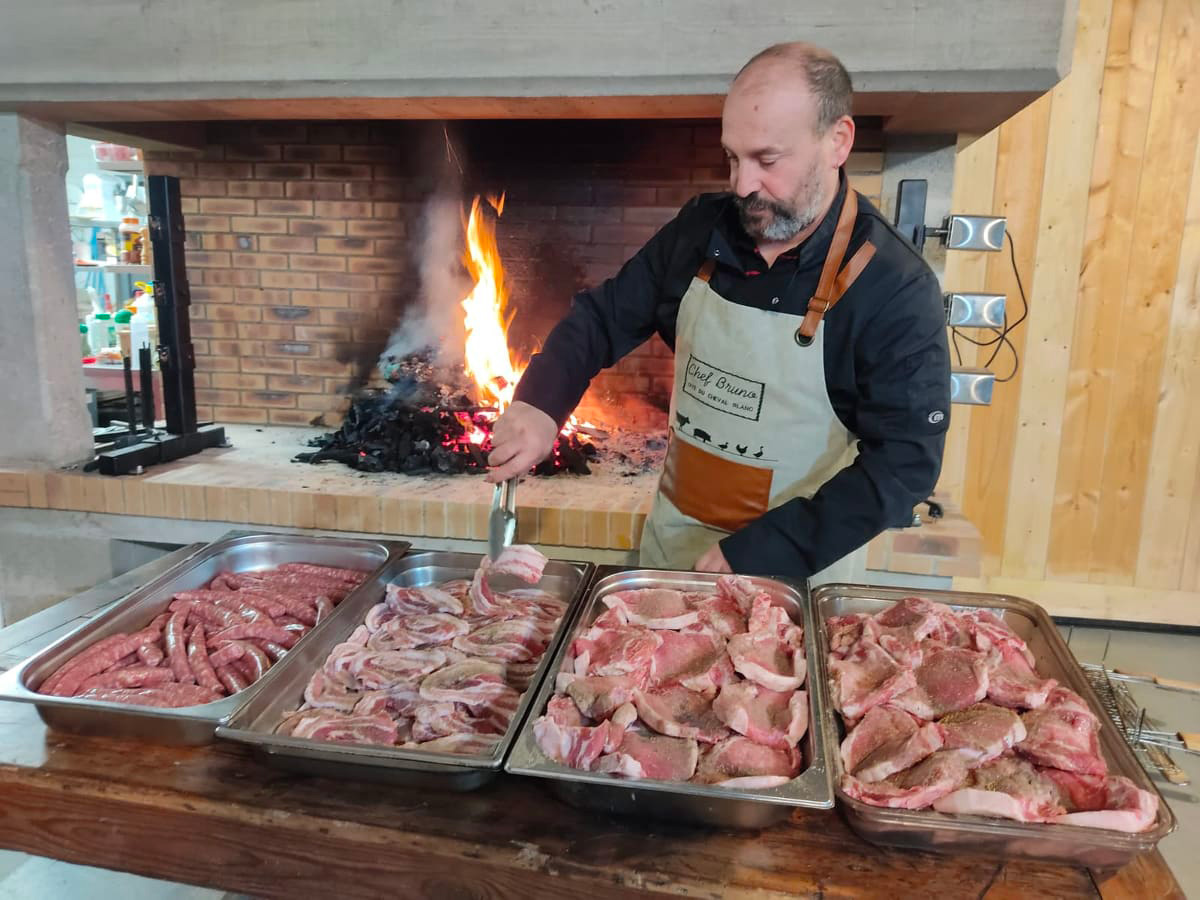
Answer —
502 523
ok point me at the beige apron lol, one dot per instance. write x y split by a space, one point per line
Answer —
751 422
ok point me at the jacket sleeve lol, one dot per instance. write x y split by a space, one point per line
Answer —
603 325
902 411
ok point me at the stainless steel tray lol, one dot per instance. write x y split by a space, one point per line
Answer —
283 688
683 801
929 830
190 724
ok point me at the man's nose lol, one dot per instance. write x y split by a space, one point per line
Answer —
745 181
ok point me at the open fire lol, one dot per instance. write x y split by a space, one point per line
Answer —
437 418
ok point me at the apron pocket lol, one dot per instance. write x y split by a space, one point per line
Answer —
720 492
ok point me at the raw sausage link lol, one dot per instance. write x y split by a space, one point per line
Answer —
226 654
96 661
263 630
169 695
56 677
257 660
132 677
124 662
173 640
211 615
150 655
353 576
232 679
197 655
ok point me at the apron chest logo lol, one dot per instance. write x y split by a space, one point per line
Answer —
723 391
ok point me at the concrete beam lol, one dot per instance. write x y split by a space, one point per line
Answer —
43 419
226 51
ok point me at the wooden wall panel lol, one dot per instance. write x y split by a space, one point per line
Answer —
1084 474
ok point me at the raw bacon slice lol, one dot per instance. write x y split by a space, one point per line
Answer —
376 669
435 720
738 762
776 719
472 681
654 608
379 615
434 628
516 640
521 561
347 729
466 744
498 711
324 692
412 601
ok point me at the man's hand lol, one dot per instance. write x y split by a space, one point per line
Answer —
522 438
713 560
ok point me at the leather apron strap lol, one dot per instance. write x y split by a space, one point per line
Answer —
835 279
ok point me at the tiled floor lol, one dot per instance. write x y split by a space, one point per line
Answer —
1169 655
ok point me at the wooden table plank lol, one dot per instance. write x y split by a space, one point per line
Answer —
215 816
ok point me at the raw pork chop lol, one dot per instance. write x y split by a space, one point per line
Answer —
1012 681
738 762
901 627
562 711
844 632
470 681
1096 801
914 788
866 677
947 679
1009 788
887 741
769 618
574 746
678 712
1062 735
982 731
740 590
719 613
766 717
694 659
768 660
597 696
656 608
615 651
987 631
663 758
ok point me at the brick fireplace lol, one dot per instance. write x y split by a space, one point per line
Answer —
302 238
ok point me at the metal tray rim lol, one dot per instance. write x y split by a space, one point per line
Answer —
12 681
817 772
373 756
967 825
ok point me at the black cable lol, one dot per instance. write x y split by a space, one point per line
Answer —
1001 338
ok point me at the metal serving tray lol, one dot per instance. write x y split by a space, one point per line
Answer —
188 724
283 688
683 801
929 830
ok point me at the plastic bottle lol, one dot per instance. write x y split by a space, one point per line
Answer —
101 332
121 322
129 229
85 345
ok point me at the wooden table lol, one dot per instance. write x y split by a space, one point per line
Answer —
215 816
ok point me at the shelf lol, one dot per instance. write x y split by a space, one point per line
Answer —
120 268
85 222
121 165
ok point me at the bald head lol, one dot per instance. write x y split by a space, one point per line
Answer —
804 68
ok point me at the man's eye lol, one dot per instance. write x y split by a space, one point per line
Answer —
767 163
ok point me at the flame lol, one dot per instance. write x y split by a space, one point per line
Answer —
487 358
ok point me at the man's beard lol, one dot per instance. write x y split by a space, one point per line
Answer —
784 221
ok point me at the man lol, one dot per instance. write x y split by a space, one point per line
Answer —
811 394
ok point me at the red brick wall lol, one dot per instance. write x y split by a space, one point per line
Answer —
301 240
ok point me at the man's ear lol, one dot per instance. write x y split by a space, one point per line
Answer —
841 140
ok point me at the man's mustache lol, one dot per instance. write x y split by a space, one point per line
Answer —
755 203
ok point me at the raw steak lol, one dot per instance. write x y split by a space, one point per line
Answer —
866 677
768 659
1095 801
615 651
987 631
775 719
1012 681
656 608
1062 734
597 696
1008 788
662 758
409 601
947 679
471 681
914 788
982 732
738 762
887 741
678 712
577 747
377 669
517 640
693 659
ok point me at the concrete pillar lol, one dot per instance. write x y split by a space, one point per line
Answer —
43 417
